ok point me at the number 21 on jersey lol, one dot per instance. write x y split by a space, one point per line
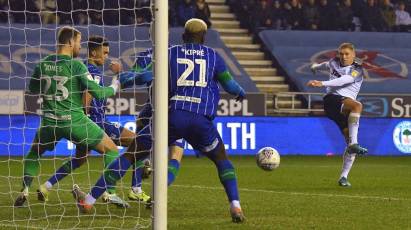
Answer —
182 80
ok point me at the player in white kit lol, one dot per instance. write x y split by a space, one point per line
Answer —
340 104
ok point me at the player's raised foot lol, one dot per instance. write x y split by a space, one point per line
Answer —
21 198
80 198
114 199
43 193
356 148
132 195
343 182
237 215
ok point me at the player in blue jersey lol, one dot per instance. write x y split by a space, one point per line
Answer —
176 150
98 50
195 71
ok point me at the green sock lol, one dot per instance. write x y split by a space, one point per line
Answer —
138 164
109 157
31 168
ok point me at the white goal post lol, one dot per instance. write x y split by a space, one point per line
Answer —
160 155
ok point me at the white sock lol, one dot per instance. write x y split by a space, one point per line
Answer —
48 185
235 204
90 200
348 160
137 190
353 124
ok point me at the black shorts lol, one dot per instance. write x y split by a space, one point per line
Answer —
332 107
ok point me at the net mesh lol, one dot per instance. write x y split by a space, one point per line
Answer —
27 35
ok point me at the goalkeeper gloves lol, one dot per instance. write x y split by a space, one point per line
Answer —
115 84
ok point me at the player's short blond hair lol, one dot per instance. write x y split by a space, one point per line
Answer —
66 33
346 45
195 25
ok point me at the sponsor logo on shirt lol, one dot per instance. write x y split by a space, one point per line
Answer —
355 73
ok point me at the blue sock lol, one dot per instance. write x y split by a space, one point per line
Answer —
173 167
64 170
114 172
228 179
137 177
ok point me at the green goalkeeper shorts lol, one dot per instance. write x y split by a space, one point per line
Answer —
82 132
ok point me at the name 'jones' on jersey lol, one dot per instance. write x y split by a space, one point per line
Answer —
193 78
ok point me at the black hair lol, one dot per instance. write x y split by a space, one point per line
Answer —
95 42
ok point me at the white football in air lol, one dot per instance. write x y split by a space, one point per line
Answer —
268 158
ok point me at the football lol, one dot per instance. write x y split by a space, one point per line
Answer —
268 158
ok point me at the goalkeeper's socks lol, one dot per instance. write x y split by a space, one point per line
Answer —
228 179
63 171
173 168
27 180
115 171
137 177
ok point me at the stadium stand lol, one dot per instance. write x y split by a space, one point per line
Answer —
284 16
237 21
248 53
386 68
35 39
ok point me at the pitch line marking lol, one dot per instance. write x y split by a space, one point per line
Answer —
298 193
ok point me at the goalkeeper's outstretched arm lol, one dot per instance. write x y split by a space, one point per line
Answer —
97 91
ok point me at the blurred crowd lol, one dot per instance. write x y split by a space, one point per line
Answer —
99 12
256 15
340 15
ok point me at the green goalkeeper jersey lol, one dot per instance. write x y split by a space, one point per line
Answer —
61 81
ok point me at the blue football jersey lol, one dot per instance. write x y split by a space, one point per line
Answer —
97 107
143 59
193 85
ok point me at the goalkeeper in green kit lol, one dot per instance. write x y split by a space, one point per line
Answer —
61 80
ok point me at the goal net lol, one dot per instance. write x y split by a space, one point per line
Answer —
28 34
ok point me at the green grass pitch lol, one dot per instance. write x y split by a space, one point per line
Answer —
301 194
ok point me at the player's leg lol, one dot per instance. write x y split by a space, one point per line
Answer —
333 109
114 132
115 171
136 192
126 137
67 168
75 162
176 151
228 179
121 137
45 139
201 133
353 108
89 134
